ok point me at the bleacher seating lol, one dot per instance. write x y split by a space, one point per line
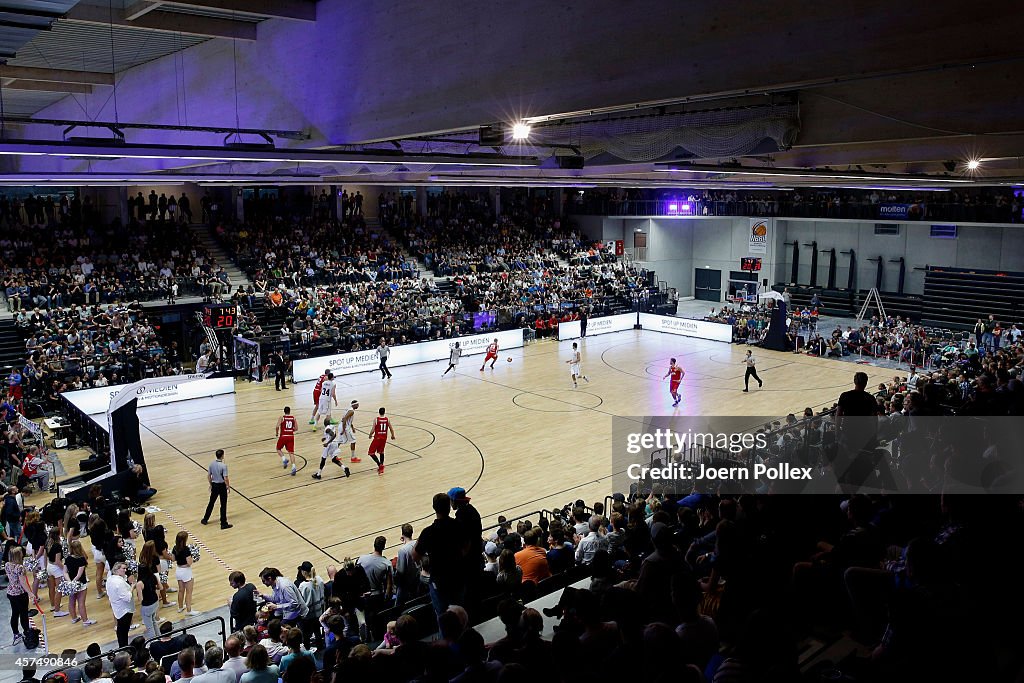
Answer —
955 297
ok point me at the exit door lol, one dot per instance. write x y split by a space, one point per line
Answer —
707 284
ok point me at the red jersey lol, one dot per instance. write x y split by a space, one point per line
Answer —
288 425
318 387
492 349
380 428
675 375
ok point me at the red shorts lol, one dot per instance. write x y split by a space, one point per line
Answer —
15 392
491 356
286 441
673 387
377 446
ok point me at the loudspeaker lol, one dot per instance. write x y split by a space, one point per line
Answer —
573 161
492 136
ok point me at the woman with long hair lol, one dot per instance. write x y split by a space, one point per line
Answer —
100 538
18 591
77 566
35 534
149 565
126 530
71 528
151 531
260 668
55 570
183 572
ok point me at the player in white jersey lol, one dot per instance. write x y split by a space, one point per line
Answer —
453 358
347 430
574 365
330 442
328 394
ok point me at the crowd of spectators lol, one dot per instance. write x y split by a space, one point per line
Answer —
57 266
692 586
81 347
346 285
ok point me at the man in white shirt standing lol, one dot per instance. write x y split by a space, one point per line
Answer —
122 601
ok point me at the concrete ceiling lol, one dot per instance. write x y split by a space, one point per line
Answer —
845 97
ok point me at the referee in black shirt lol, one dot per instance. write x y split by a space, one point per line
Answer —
751 364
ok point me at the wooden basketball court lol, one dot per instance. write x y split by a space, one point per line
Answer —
518 438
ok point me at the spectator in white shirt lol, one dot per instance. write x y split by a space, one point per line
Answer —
235 662
591 543
122 601
215 671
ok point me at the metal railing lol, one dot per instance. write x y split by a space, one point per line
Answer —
860 210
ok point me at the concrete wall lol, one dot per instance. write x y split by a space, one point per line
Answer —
984 247
678 246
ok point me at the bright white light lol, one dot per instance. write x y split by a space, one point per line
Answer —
520 131
973 165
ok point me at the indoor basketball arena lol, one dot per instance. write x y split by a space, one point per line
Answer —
547 342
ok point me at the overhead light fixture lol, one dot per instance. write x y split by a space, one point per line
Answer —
973 164
520 131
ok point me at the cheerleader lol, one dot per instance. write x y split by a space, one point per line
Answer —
71 529
149 564
55 570
183 572
76 587
35 534
151 531
100 537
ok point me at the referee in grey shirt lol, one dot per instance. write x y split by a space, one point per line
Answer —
219 483
383 352
751 363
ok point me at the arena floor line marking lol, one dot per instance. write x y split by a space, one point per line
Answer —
265 511
202 546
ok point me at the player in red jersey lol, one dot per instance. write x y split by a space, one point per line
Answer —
676 373
285 433
316 394
492 355
381 428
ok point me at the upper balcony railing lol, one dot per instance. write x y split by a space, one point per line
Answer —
852 210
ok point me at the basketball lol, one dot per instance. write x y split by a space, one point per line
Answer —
509 359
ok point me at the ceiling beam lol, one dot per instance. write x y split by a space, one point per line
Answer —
143 7
47 86
297 10
169 22
33 73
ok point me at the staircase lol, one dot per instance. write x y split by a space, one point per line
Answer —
217 252
373 224
12 347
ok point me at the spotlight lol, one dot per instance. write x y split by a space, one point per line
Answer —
520 131
973 164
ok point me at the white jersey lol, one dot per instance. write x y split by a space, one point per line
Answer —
574 365
326 395
347 430
453 357
331 445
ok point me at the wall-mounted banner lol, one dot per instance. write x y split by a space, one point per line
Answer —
758 235
364 361
603 325
687 327
893 210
